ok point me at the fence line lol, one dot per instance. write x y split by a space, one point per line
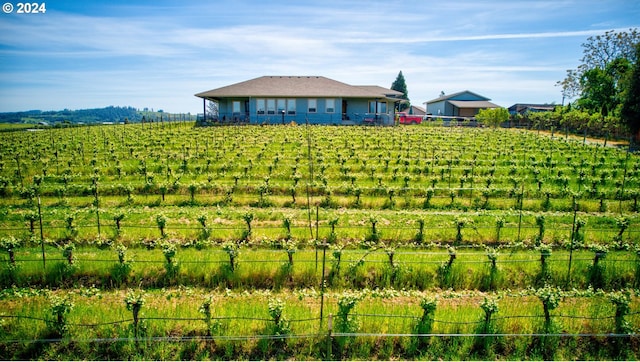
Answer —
326 226
367 227
380 228
313 335
346 261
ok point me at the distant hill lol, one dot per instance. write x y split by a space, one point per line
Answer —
86 116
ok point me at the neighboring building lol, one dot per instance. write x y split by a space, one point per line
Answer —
415 110
523 109
300 99
461 104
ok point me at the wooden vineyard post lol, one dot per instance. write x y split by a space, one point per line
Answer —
41 232
573 236
329 337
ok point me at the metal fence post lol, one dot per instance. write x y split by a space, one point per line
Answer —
329 337
44 265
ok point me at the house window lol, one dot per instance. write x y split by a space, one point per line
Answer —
330 105
236 106
377 107
260 106
281 105
312 105
291 106
271 106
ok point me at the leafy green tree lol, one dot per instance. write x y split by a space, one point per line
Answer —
602 80
630 112
570 85
401 86
602 88
598 51
492 116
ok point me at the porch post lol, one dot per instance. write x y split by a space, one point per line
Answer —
204 109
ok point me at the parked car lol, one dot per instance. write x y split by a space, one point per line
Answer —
405 118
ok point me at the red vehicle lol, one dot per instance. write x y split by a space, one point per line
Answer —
404 118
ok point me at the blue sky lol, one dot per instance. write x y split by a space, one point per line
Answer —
158 54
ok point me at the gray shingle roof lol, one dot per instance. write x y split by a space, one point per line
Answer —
474 104
297 86
449 96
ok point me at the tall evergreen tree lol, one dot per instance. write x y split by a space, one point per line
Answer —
630 112
401 86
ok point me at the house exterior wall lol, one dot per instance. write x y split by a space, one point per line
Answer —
468 96
357 111
467 112
440 108
444 108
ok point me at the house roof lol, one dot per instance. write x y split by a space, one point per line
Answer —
297 86
538 107
418 110
382 90
449 96
474 104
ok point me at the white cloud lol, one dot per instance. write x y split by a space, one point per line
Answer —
512 51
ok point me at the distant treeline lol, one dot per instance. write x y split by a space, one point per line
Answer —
96 115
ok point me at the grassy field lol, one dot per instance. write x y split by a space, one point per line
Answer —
178 313
244 217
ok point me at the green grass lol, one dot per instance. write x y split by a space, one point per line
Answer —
396 177
373 313
266 268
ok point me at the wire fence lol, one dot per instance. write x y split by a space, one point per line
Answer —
326 329
517 231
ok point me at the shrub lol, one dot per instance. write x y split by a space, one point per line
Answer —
117 218
444 271
620 345
280 323
540 221
67 252
596 271
424 325
545 344
483 341
233 250
120 272
134 300
205 233
490 281
291 247
59 308
286 223
161 221
544 275
419 238
373 236
205 310
333 237
346 323
72 231
248 218
171 266
499 225
31 216
618 240
428 196
10 244
460 222
621 300
336 253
